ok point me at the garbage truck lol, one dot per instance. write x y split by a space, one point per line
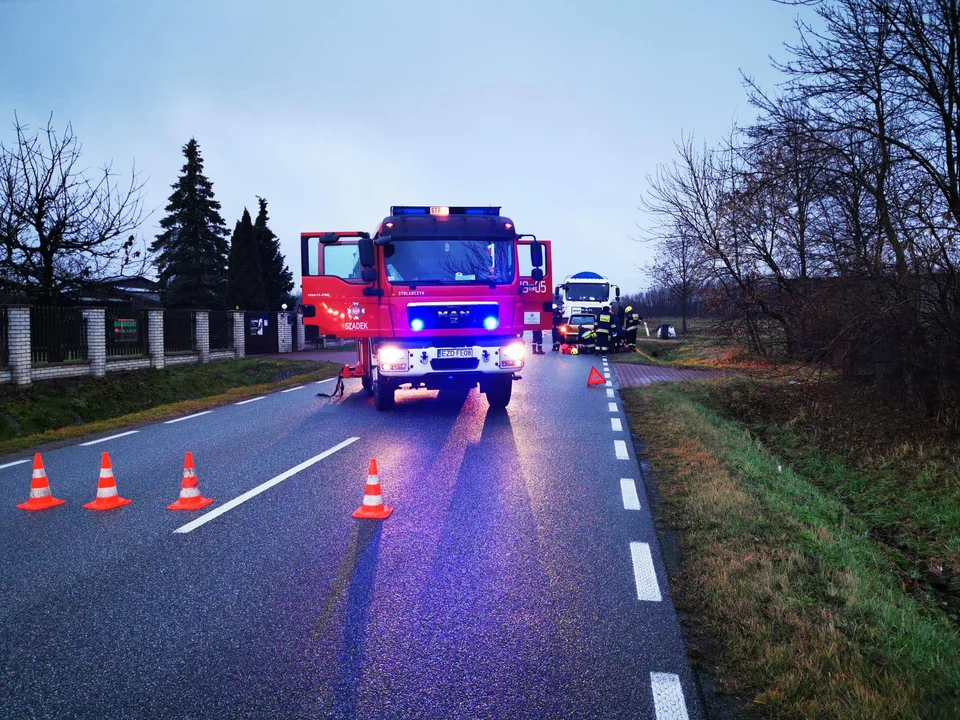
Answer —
436 297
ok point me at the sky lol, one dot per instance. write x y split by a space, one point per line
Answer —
556 111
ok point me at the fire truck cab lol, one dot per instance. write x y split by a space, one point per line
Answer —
436 297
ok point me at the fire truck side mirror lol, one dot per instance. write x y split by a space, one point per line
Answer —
368 274
536 274
536 254
365 248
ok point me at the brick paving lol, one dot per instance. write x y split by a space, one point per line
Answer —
629 375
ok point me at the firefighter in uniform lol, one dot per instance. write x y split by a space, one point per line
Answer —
587 339
557 322
632 326
538 342
602 329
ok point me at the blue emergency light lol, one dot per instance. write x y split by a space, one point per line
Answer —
443 210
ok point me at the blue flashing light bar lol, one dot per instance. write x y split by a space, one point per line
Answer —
443 210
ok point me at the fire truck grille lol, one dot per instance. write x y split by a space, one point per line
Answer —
455 364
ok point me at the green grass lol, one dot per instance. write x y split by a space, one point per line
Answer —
69 407
795 606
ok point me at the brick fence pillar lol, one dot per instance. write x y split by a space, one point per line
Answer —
203 335
155 338
301 333
96 340
18 343
239 335
284 332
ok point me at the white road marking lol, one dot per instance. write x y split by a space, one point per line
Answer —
609 393
621 447
628 488
616 425
112 437
643 573
188 417
15 462
319 382
612 407
244 402
668 697
609 384
207 517
298 387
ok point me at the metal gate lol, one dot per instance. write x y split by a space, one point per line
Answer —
262 337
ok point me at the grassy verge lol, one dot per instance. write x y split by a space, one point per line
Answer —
60 409
796 606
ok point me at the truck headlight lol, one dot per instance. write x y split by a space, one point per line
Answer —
512 355
391 358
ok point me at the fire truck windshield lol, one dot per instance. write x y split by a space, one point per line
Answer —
588 292
449 261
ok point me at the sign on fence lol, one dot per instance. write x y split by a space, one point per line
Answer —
125 330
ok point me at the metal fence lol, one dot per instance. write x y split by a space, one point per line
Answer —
57 334
4 348
126 332
179 331
221 330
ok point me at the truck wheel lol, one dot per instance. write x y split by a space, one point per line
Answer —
498 391
383 395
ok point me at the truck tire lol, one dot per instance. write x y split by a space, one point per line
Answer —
367 384
499 390
383 394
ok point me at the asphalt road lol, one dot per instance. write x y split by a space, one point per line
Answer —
519 575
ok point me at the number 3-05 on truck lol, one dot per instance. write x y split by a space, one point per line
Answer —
436 297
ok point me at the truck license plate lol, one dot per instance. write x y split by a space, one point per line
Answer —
455 353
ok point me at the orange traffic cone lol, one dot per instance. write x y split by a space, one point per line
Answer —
41 496
373 507
595 378
190 498
107 497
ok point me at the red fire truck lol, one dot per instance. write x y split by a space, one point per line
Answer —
436 297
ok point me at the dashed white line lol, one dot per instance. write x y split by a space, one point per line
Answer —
612 407
298 387
609 384
643 573
621 447
244 402
112 437
616 425
668 696
15 462
188 417
609 393
320 382
628 488
207 517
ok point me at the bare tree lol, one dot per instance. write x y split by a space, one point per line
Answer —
681 270
63 229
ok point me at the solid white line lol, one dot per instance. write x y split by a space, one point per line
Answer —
298 387
628 488
643 573
112 437
244 402
616 424
612 407
207 517
15 462
668 697
621 447
327 380
188 417
609 393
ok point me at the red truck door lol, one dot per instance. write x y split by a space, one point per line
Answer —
333 284
536 293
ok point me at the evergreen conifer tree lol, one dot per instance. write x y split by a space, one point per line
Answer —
192 250
245 289
277 278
